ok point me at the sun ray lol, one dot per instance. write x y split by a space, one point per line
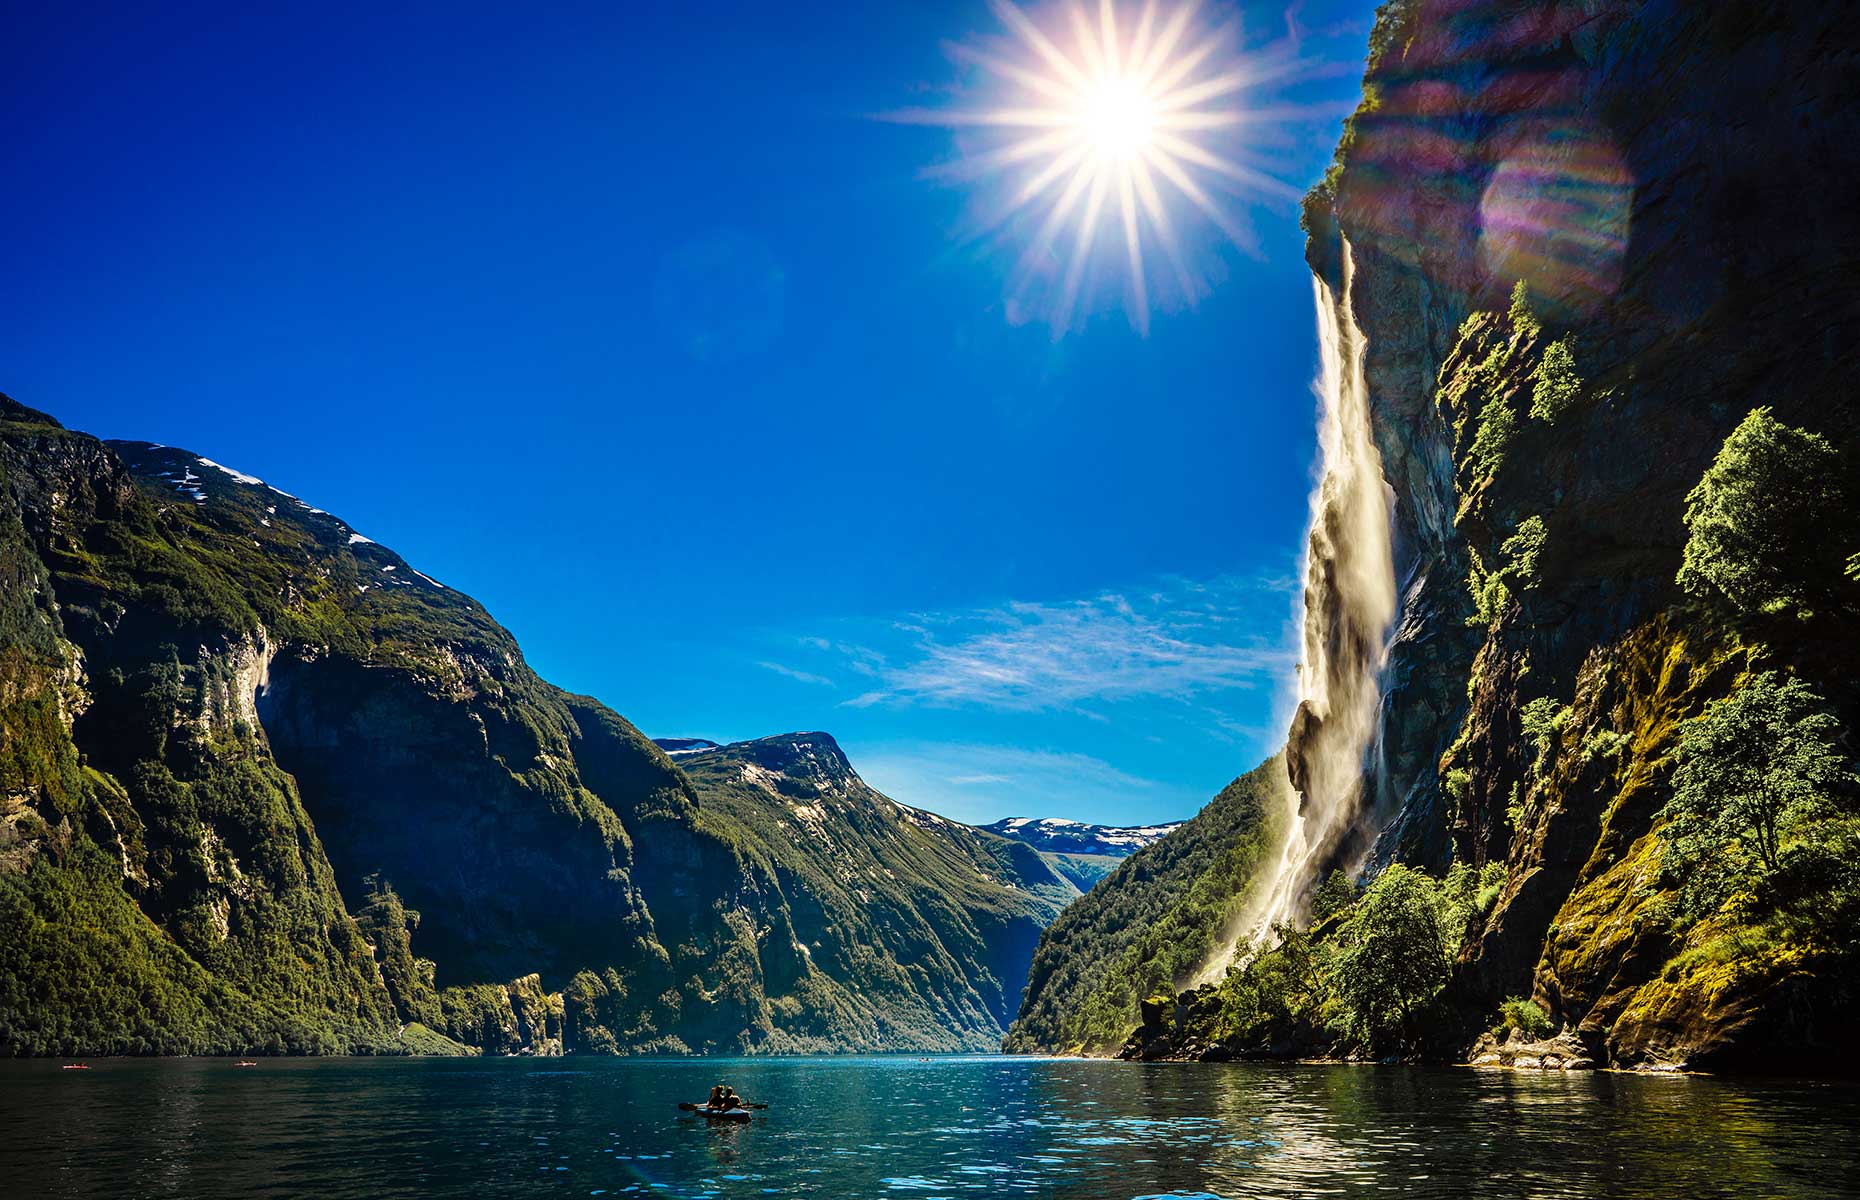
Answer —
1165 231
1107 20
1199 197
1165 42
1081 252
1016 20
1026 77
1174 72
1189 152
1039 183
1127 202
1088 42
1049 229
1127 138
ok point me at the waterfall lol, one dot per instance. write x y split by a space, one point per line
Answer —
1349 609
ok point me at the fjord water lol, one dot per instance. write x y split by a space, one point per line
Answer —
874 1127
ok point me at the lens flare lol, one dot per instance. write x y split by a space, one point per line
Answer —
1119 137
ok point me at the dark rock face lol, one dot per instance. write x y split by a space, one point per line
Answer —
281 791
1671 182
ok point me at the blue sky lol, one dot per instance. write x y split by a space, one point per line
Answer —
639 326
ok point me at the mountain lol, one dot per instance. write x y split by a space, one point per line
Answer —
1587 268
677 746
265 786
1076 837
1082 853
1151 922
917 930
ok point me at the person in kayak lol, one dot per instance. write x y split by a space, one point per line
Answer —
716 1100
731 1099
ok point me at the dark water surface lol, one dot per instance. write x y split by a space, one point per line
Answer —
911 1130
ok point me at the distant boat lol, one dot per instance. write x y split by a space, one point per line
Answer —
245 1063
720 1114
77 1066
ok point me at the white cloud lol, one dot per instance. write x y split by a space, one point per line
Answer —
798 676
1176 641
978 782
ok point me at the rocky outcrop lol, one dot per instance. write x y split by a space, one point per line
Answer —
1666 182
1516 1050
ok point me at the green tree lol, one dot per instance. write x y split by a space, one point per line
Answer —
1392 956
1522 318
1556 382
1765 521
1757 772
1332 896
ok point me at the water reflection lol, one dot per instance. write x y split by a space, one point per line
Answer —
908 1129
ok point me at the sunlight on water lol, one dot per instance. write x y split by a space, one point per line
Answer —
902 1128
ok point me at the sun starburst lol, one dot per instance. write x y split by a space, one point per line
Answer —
1120 135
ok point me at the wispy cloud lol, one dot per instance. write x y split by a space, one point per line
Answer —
796 675
981 782
1177 640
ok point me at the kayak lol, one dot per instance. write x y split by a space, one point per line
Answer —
717 1114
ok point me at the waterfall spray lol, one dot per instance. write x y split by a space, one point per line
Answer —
1349 608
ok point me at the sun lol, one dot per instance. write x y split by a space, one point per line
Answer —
1118 134
1118 117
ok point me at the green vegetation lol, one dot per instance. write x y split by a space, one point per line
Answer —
1391 957
1497 427
1760 787
1493 589
1524 1015
1151 924
1366 976
1520 315
1766 521
1336 893
1542 721
1556 384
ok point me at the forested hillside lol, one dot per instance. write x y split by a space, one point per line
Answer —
1151 922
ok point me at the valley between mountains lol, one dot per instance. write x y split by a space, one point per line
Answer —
269 788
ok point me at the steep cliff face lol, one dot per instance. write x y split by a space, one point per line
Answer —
266 786
164 886
1669 182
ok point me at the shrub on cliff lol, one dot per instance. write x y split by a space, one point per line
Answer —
1555 383
1758 783
1523 1015
1764 524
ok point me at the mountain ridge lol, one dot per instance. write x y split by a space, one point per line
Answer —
268 787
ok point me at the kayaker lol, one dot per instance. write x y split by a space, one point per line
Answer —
716 1098
731 1099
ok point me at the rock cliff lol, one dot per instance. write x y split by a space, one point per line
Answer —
1665 183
